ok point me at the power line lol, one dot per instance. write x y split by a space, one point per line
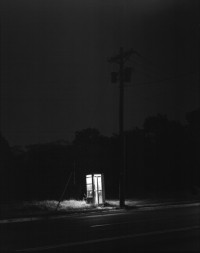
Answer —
163 80
150 63
98 102
145 73
147 68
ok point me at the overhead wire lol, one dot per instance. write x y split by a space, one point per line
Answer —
98 102
163 80
153 72
149 63
147 72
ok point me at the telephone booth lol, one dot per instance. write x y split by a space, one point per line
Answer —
95 189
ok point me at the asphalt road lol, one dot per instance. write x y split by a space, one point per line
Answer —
175 228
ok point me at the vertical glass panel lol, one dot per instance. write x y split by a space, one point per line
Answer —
100 197
89 179
99 183
89 187
95 190
96 197
89 194
95 183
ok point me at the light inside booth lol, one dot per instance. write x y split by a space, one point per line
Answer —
95 188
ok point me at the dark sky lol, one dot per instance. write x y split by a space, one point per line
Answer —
55 77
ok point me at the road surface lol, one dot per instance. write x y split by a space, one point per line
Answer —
175 228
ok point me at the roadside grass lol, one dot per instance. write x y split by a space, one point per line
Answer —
30 208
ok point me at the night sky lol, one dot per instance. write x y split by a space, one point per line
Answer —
55 74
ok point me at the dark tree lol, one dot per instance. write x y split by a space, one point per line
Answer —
193 137
7 170
165 153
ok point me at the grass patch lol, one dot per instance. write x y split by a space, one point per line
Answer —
31 208
51 205
27 208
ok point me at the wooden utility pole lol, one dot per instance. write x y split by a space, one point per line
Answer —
121 130
123 75
198 63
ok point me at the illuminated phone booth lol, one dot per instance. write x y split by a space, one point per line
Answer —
95 189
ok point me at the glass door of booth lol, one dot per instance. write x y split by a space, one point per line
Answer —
98 189
95 186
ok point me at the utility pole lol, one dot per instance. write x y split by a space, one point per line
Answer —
198 62
121 130
122 76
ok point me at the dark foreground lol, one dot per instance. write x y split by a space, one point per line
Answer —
174 228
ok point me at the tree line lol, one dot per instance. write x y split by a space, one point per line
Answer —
160 158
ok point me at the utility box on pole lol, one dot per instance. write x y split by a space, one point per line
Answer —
95 189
